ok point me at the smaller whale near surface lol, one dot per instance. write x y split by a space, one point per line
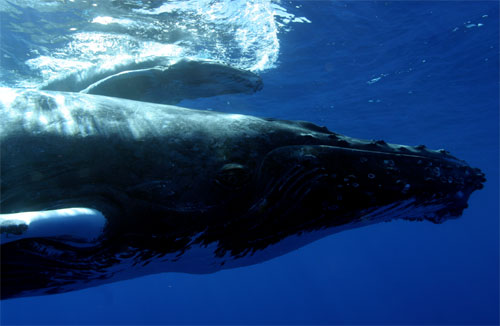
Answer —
161 188
159 81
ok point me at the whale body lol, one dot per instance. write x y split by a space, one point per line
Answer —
168 189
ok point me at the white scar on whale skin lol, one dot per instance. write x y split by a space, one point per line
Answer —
77 224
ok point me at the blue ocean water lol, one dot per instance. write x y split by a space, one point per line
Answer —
423 72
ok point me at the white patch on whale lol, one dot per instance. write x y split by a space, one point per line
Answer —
77 224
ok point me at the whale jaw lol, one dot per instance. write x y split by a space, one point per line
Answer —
308 189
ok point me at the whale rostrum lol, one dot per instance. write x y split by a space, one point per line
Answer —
168 189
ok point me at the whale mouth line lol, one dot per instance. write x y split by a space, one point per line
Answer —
427 159
404 151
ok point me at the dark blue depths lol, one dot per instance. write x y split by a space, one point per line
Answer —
405 72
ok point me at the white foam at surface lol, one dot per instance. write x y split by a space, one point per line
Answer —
7 96
105 20
77 223
243 34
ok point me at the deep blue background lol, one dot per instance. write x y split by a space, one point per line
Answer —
439 87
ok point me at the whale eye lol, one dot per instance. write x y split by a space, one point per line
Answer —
233 176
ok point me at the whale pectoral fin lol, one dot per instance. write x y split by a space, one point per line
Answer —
77 224
183 80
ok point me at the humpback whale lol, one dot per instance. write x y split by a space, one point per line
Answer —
161 188
159 81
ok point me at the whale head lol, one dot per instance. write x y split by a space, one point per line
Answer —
322 182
